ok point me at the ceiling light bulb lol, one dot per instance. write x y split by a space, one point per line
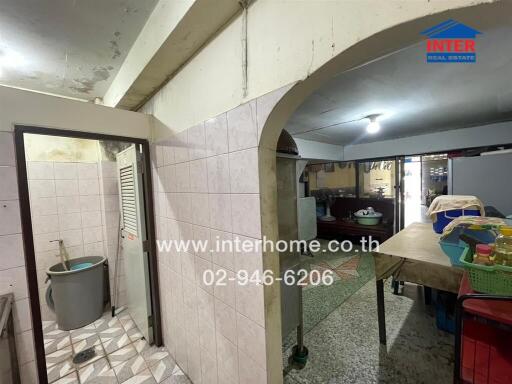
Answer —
373 126
10 59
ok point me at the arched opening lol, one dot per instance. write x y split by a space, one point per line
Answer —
374 48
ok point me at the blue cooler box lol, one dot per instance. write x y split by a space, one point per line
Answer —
444 218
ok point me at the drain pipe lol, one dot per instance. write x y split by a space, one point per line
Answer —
245 5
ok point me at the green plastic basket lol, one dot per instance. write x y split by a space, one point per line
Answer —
496 279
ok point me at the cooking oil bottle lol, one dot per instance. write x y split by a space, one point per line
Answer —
504 247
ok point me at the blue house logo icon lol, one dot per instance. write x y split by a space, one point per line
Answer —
451 42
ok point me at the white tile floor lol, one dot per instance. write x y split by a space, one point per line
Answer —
122 355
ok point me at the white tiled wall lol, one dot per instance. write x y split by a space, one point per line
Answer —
12 261
207 185
70 195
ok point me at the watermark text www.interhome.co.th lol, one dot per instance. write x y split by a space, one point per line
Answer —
239 246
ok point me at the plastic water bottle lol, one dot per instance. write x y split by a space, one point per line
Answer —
504 247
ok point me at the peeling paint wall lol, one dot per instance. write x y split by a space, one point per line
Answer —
287 41
70 149
65 149
164 18
69 48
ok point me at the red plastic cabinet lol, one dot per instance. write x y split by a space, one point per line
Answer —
483 338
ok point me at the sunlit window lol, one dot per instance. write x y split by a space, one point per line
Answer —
377 179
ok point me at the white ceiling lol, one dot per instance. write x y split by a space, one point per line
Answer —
67 47
413 96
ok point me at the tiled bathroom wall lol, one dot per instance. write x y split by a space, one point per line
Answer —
12 261
207 188
65 204
78 203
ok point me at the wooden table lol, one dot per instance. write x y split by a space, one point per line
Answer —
413 255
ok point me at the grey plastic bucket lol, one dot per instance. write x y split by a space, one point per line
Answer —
77 296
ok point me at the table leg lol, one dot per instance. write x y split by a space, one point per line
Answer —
459 309
381 312
427 292
396 286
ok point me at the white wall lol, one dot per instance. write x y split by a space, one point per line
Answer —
309 149
495 187
287 41
30 108
493 134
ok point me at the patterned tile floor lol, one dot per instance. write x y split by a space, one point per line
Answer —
122 355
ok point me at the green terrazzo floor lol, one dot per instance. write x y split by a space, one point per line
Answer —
344 347
341 330
320 301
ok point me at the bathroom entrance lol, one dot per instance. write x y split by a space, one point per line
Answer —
89 245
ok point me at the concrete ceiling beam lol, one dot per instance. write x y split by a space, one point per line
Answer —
146 70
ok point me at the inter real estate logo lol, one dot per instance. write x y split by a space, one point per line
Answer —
451 42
